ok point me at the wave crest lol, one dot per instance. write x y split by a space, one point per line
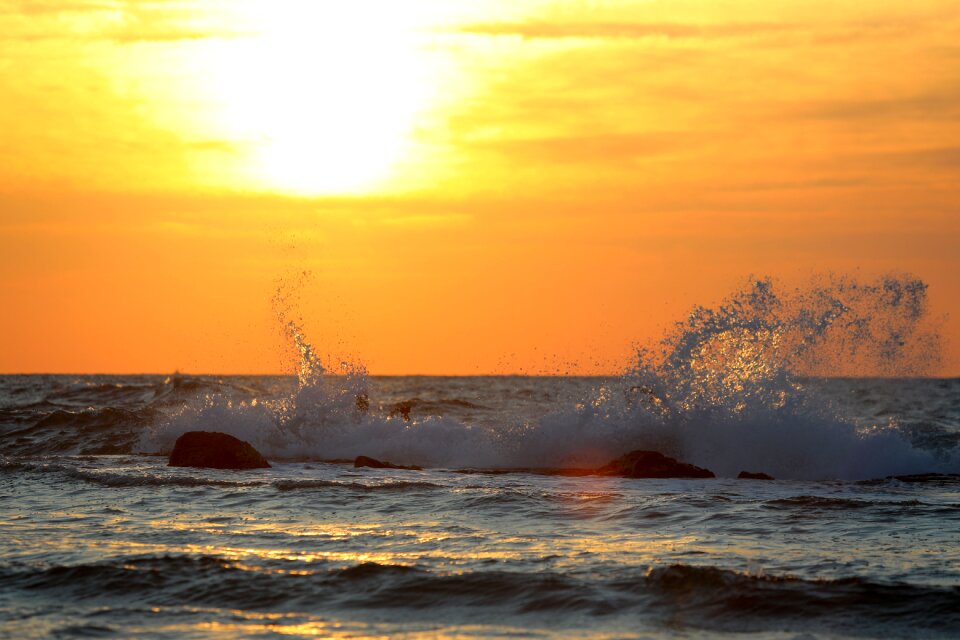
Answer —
725 389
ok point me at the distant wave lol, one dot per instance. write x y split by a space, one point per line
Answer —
91 417
134 477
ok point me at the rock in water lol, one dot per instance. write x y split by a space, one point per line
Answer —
651 464
364 461
215 450
403 409
750 475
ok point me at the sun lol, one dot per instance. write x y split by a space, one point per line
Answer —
323 97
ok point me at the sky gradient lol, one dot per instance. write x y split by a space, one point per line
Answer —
490 187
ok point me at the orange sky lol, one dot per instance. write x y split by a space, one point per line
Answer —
473 187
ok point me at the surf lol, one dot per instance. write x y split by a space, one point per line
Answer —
729 388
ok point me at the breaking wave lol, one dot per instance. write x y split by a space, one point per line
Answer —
727 388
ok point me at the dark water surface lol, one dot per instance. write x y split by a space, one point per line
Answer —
98 539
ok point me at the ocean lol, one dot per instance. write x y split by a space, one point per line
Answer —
858 535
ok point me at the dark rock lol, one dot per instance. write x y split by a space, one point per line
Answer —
363 402
651 464
364 461
636 464
403 409
215 450
749 475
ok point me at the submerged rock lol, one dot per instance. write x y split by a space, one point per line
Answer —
215 450
636 464
750 475
651 464
364 461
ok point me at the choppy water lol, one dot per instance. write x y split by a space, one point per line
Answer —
99 538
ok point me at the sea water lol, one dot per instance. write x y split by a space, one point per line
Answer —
858 536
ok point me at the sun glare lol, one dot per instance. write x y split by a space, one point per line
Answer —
324 97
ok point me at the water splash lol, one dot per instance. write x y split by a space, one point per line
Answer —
285 303
752 350
725 389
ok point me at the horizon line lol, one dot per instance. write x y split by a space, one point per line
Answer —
953 376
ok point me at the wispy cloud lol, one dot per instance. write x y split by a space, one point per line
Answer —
937 103
119 21
798 185
601 147
130 36
624 30
428 220
52 7
927 158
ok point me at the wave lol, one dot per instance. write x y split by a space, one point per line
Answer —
724 390
421 407
723 599
104 431
705 596
105 415
117 480
175 478
823 502
128 392
295 485
128 478
727 389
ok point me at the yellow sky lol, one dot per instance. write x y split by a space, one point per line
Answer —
473 187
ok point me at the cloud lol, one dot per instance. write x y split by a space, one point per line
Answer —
821 33
428 220
625 30
171 35
927 159
942 103
122 22
131 36
799 185
52 7
605 147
